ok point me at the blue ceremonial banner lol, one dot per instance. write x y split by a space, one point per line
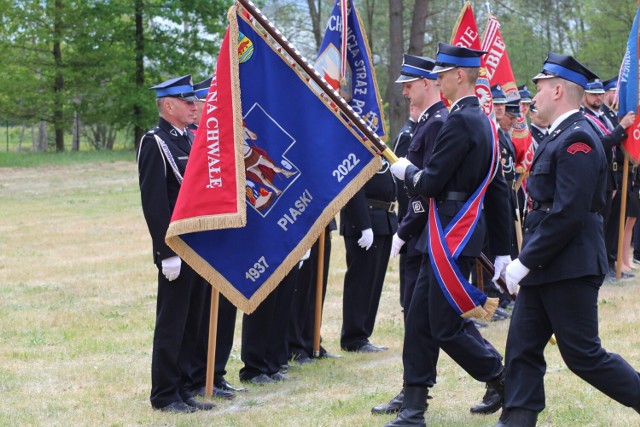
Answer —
303 161
628 79
628 99
344 61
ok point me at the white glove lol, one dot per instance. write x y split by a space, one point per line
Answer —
366 240
515 272
396 245
399 168
304 258
171 267
500 266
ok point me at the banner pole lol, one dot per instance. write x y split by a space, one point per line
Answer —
317 79
623 214
213 336
319 286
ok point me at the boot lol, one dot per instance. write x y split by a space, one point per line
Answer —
491 402
517 418
413 408
393 407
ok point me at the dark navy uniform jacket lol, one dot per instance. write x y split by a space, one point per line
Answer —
612 151
414 218
359 214
563 235
159 186
537 134
460 161
401 148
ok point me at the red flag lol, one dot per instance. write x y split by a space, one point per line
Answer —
465 33
214 182
499 70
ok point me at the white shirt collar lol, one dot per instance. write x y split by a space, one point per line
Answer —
560 119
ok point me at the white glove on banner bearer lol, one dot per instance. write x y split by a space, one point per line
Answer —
396 245
399 168
500 266
366 240
171 267
304 258
516 271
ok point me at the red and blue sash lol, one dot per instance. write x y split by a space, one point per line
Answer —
446 245
598 124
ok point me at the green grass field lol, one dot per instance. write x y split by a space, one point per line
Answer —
77 314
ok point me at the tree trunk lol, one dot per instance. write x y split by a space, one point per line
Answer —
418 26
75 143
21 139
138 132
58 85
397 107
315 13
42 139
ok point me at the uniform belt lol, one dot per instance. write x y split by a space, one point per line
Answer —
534 205
379 204
456 196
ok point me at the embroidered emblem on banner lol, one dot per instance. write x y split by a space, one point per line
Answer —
269 172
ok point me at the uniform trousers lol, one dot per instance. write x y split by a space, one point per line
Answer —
264 332
432 324
568 308
411 272
175 339
224 339
363 282
302 319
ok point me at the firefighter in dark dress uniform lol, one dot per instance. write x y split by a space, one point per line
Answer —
367 223
400 149
463 159
420 88
611 134
563 262
162 159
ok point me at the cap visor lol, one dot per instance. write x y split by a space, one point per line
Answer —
441 69
595 91
404 78
541 76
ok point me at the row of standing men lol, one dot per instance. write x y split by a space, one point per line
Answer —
281 329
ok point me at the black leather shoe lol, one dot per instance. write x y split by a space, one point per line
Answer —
327 355
517 418
261 379
224 385
223 394
393 407
178 407
366 348
303 359
201 406
491 402
414 406
280 376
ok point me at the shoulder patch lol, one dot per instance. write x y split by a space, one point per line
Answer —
416 178
578 147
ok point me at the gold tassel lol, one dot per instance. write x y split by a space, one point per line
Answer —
483 312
